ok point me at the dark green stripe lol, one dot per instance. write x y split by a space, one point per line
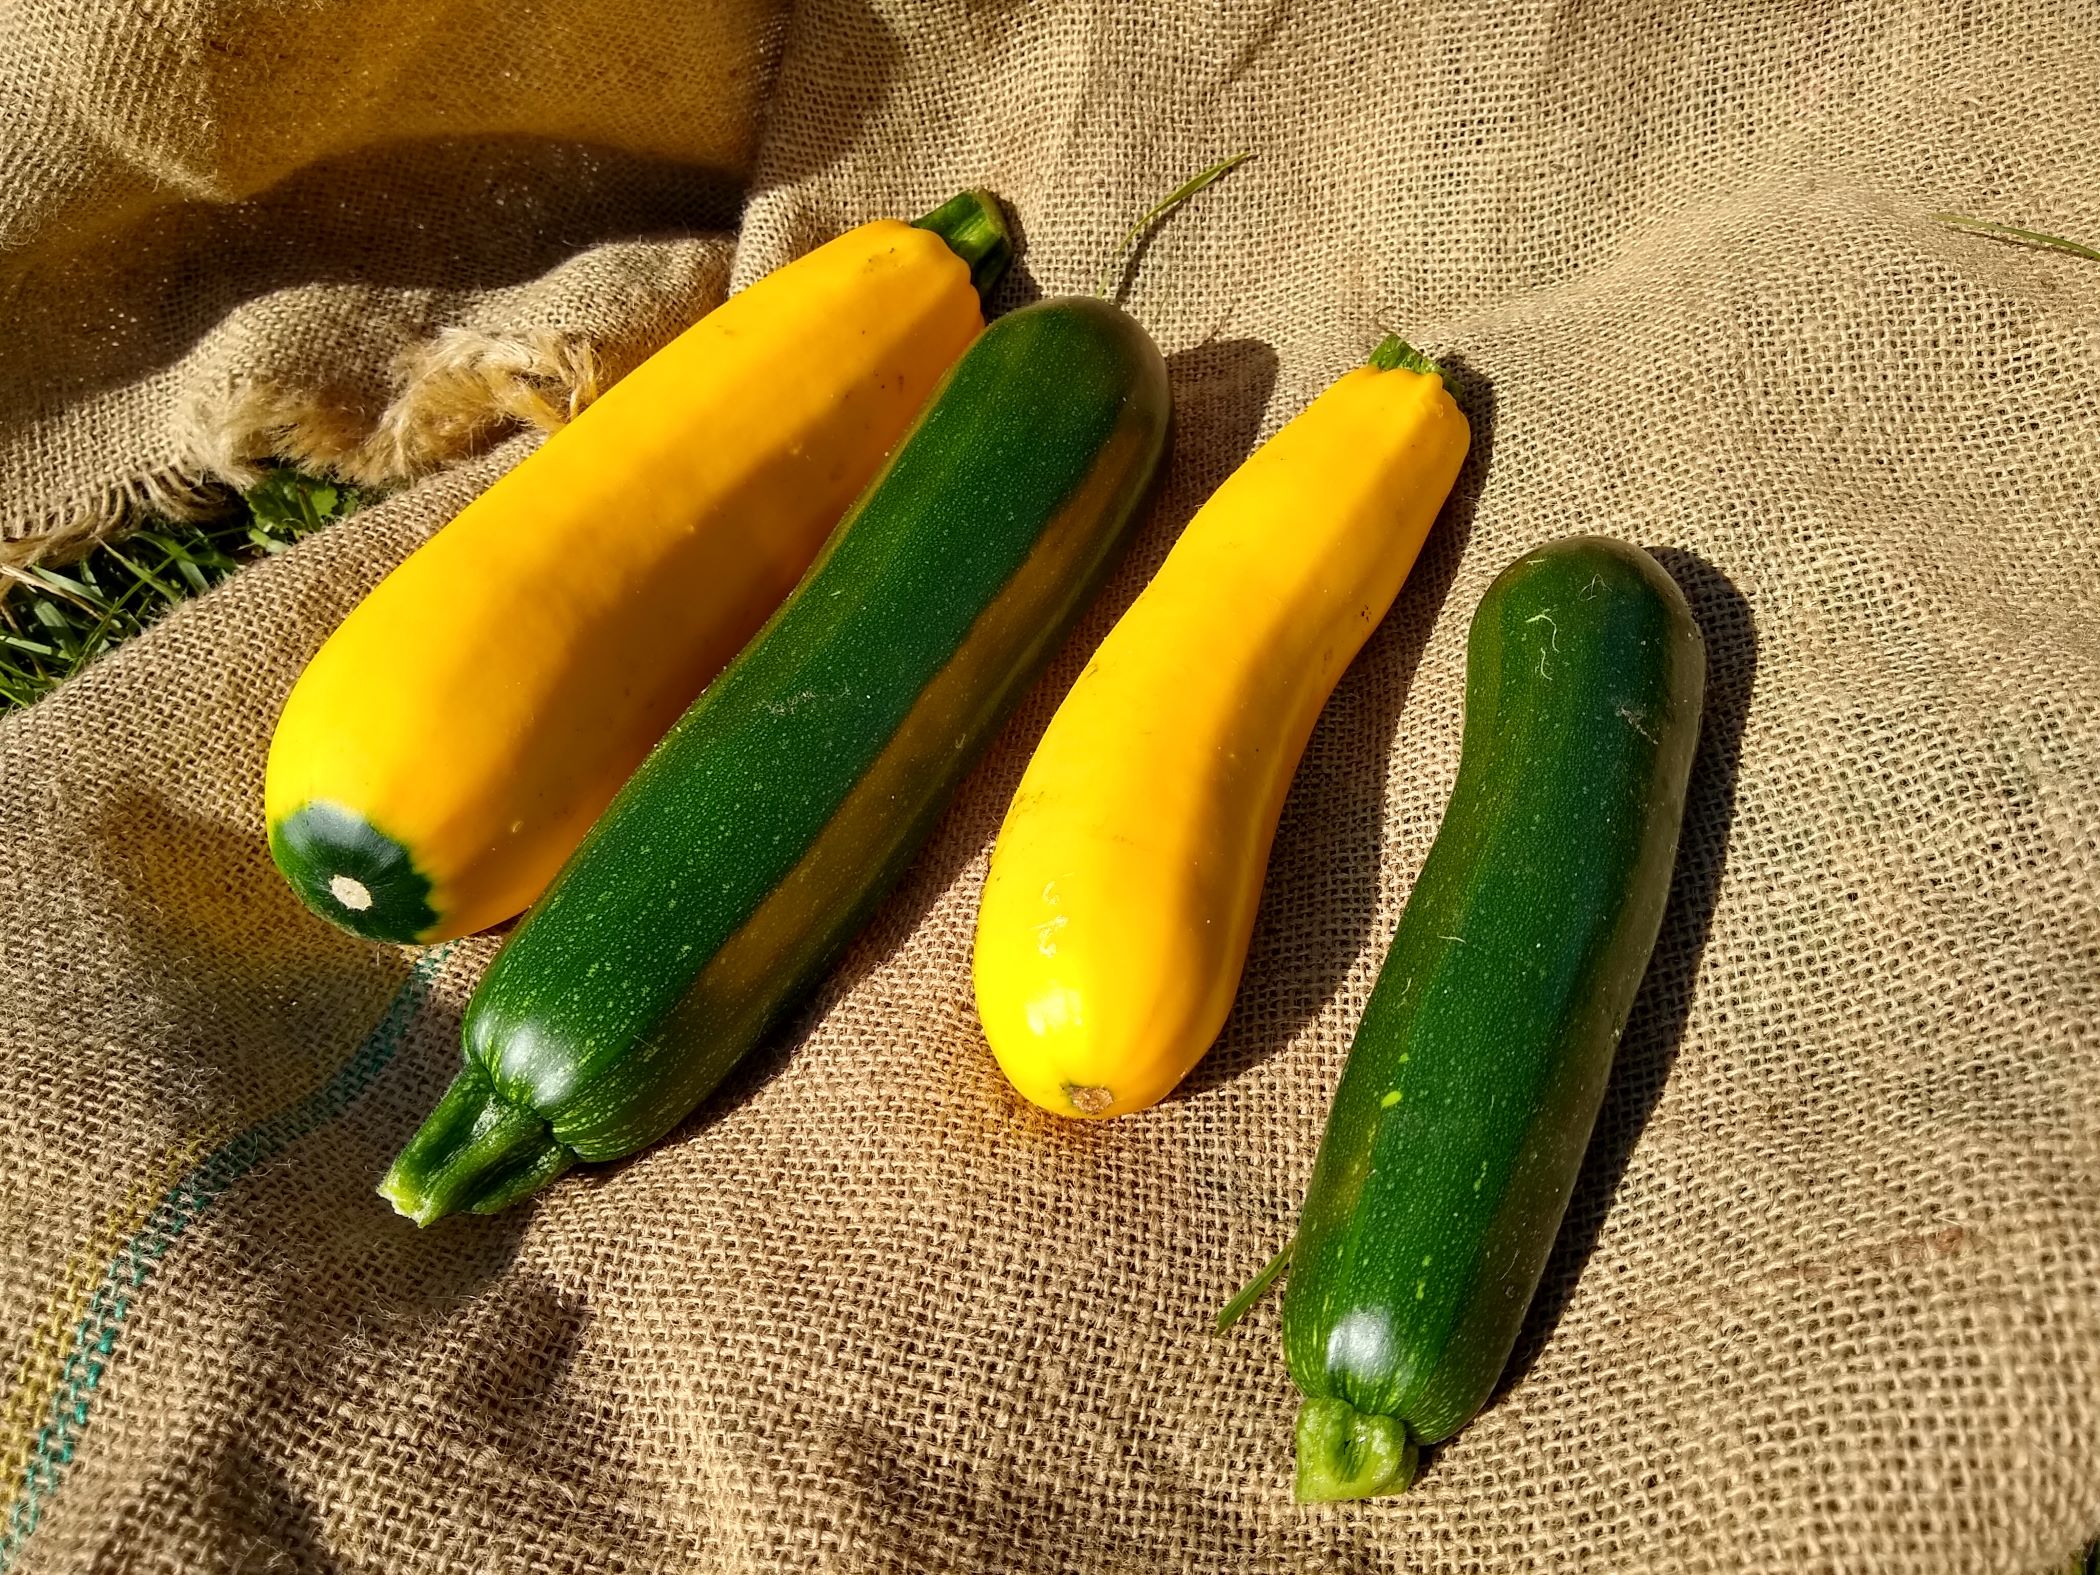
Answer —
931 608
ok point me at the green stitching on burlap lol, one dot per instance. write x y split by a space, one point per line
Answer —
133 1265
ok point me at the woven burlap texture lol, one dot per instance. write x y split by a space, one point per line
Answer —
1828 1297
358 233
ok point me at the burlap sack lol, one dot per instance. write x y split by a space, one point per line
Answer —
1829 1294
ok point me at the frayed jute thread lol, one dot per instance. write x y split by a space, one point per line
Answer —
71 532
455 393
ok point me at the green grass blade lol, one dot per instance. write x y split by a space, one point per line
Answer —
2012 232
1250 1293
1166 205
54 622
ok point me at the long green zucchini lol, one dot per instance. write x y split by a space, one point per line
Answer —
753 841
1478 1068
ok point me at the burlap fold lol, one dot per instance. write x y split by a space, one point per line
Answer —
1829 1294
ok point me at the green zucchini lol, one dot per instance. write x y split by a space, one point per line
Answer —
1476 1073
754 840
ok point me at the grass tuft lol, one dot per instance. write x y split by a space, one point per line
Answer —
54 621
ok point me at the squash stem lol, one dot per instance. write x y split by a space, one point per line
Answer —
1394 353
477 1151
974 227
1160 210
1345 1453
1250 1293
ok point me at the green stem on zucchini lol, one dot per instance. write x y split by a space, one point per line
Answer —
975 229
2011 232
1345 1453
1250 1293
1394 353
477 1151
1160 210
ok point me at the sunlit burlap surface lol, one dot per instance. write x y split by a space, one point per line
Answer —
1829 1293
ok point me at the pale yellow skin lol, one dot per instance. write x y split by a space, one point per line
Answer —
1123 888
485 701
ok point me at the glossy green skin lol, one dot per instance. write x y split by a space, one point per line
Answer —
753 842
1430 1214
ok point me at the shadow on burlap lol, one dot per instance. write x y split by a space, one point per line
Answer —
1829 1292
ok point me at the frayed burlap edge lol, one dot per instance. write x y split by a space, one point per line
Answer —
455 393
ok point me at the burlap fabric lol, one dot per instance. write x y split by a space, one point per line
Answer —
1829 1294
